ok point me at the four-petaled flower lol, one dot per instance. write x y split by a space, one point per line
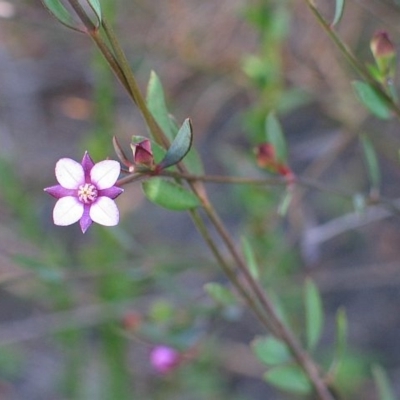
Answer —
85 192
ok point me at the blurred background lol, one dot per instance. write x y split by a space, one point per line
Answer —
80 314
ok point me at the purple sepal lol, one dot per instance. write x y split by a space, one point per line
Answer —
87 165
85 220
111 192
58 191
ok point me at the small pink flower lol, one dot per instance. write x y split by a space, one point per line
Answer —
164 359
85 192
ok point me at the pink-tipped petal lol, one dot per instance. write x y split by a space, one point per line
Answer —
85 220
105 173
67 211
105 212
69 173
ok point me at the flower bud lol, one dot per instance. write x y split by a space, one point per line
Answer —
143 154
132 321
384 53
164 359
266 158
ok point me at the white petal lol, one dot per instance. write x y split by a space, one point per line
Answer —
105 173
104 211
67 211
69 173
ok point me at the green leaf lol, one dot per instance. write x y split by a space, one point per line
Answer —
157 106
57 8
192 160
180 146
339 8
96 7
250 258
381 380
220 294
372 162
285 203
62 14
271 351
276 137
169 195
341 342
289 378
314 313
372 100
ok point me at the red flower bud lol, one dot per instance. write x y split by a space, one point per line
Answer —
384 53
266 158
142 153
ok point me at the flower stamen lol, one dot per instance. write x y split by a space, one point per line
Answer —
87 193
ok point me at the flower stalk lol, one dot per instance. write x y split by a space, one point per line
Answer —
254 295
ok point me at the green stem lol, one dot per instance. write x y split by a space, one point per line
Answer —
134 90
230 273
267 314
282 331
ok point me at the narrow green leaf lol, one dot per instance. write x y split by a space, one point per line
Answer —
271 351
157 106
289 378
372 162
381 380
169 195
314 313
192 160
341 332
339 8
62 14
372 100
341 342
250 258
96 7
285 203
276 137
220 294
180 146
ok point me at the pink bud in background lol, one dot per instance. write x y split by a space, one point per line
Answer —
384 53
164 359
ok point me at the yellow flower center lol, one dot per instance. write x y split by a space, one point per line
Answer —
87 193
